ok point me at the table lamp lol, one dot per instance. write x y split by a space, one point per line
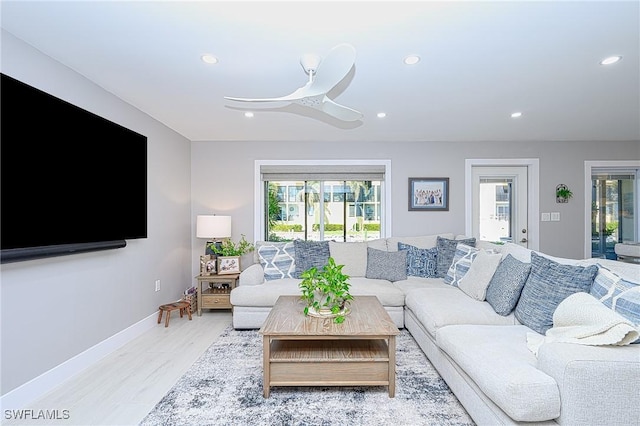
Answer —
214 229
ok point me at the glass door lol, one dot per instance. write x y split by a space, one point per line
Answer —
613 206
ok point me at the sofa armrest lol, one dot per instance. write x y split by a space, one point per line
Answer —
253 275
597 384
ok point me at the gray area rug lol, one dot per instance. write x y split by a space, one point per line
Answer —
224 387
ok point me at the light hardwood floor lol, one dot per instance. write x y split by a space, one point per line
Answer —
123 388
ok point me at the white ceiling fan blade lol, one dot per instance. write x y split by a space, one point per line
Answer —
340 112
300 93
333 68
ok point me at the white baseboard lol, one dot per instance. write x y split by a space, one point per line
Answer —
22 396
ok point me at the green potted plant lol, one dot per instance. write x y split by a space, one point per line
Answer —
326 291
563 193
229 254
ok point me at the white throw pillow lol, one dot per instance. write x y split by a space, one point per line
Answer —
477 279
352 255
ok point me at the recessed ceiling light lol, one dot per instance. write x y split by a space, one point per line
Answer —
412 59
610 60
209 59
248 114
516 115
382 114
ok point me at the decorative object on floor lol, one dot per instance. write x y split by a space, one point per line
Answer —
326 291
563 193
182 305
214 228
225 387
324 75
229 254
429 194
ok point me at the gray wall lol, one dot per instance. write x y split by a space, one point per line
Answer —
54 309
227 186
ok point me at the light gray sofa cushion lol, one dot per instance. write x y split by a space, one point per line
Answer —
353 255
499 362
439 307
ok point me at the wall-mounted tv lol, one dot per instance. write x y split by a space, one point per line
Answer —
71 181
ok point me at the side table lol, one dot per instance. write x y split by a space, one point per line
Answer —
215 295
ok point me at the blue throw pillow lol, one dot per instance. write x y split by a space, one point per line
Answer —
277 259
446 252
309 254
548 284
460 264
506 285
420 262
386 265
618 294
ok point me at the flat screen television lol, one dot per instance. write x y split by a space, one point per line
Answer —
71 181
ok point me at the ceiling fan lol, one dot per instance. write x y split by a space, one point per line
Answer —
324 75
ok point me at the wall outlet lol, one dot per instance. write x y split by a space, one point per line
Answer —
157 285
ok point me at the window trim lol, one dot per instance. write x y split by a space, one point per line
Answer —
258 193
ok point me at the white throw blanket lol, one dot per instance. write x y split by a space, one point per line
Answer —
582 319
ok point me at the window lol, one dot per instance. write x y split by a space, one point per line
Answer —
314 201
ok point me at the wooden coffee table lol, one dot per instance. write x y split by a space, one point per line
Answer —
302 350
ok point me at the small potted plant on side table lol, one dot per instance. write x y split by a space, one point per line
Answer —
229 254
326 292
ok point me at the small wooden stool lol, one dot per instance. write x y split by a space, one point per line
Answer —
182 305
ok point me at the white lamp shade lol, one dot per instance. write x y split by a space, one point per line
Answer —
209 226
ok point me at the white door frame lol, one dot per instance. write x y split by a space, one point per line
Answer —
588 166
533 168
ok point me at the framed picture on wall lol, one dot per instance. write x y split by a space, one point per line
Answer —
429 194
208 264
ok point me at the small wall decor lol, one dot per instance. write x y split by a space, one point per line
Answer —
563 193
208 264
429 194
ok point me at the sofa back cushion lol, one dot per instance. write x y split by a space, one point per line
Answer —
386 265
548 284
446 252
277 259
420 262
353 255
422 241
309 254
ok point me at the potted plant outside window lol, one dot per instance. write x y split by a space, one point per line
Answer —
326 292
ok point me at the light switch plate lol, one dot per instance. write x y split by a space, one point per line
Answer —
545 217
555 216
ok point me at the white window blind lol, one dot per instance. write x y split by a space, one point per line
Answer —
321 172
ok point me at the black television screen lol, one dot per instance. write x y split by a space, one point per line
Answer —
71 181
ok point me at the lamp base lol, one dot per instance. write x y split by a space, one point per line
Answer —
209 250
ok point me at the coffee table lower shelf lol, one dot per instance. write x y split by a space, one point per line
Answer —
329 362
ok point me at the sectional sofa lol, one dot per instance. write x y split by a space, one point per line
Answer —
519 336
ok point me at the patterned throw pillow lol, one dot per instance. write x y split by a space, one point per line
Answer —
276 258
309 254
618 294
548 284
506 285
420 262
386 265
446 251
462 260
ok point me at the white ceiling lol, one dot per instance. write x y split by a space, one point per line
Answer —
481 61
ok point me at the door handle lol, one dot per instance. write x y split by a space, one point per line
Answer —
524 240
